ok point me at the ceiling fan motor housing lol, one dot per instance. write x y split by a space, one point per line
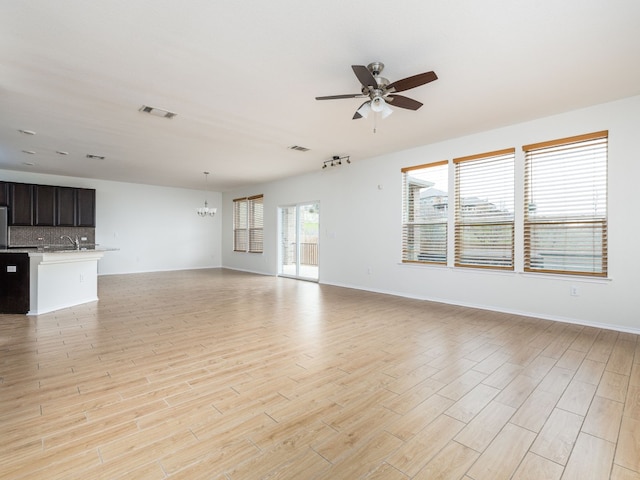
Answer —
376 68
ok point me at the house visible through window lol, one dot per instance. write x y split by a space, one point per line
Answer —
565 214
484 212
248 222
425 212
564 222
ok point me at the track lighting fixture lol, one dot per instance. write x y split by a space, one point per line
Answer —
335 161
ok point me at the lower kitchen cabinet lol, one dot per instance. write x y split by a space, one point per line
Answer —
14 283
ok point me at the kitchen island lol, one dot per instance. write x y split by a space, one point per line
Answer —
61 278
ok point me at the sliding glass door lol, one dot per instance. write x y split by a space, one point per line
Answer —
299 233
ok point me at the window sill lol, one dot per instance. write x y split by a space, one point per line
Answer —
509 273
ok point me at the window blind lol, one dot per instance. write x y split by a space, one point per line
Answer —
248 223
484 210
256 221
425 212
565 211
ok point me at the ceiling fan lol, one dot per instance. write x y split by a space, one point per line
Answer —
380 92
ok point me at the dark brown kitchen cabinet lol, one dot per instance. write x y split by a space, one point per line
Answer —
65 206
44 199
14 283
4 194
86 203
48 205
21 204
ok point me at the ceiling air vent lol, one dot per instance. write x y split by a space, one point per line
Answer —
158 112
298 148
95 157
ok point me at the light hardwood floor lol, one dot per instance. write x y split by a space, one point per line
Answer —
217 374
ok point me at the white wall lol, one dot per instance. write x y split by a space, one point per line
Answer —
360 207
153 228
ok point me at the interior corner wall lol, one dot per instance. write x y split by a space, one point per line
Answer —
360 223
153 228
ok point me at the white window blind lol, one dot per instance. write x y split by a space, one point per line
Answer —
565 210
484 211
424 213
248 222
256 221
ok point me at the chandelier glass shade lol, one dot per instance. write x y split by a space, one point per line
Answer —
376 105
206 211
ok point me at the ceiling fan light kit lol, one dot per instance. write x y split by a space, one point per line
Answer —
381 93
363 111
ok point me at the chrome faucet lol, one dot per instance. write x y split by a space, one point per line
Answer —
76 242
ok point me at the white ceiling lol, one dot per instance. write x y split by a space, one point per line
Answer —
243 76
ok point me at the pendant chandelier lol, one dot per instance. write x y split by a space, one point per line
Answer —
206 211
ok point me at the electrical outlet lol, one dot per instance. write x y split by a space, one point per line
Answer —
573 291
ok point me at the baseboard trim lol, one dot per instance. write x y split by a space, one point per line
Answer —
522 313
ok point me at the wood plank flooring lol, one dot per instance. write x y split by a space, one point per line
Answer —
216 374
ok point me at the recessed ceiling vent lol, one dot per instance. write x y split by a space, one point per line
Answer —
158 112
298 148
95 157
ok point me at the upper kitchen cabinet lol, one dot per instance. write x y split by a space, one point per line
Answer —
44 198
86 203
4 194
48 205
21 204
66 210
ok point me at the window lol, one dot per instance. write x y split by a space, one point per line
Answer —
484 211
565 214
424 213
248 224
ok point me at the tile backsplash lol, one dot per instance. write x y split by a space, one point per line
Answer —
40 236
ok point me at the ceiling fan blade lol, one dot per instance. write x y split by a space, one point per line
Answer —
412 82
403 102
365 77
336 97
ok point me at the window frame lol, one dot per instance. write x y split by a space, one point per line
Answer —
409 225
574 225
248 224
487 223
